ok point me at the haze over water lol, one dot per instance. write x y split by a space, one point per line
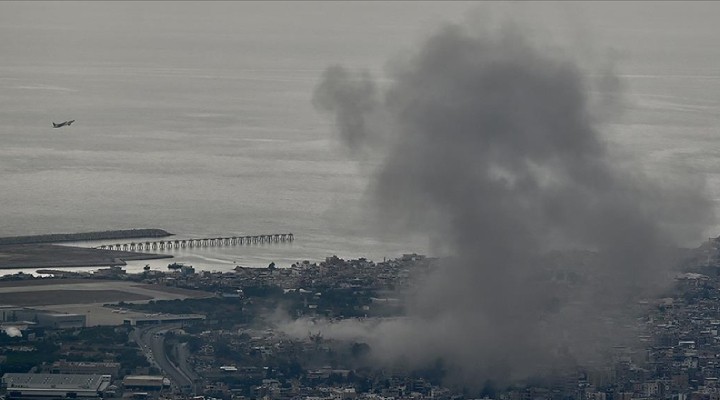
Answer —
197 117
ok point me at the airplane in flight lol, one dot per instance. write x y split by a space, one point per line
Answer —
60 125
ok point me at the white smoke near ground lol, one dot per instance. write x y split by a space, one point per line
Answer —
12 331
491 149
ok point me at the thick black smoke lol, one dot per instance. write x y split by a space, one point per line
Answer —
490 148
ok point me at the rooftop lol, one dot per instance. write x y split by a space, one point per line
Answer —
54 381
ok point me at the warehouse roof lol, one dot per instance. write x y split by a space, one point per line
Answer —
54 381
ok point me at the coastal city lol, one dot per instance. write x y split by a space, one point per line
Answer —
190 334
359 200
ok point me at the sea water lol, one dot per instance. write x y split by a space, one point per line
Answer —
197 117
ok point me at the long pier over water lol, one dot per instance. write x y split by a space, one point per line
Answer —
204 242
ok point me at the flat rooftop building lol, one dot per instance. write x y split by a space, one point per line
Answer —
145 382
43 318
85 367
46 386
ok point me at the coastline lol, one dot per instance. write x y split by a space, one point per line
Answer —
18 256
85 236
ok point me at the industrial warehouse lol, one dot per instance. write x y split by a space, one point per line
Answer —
40 318
53 386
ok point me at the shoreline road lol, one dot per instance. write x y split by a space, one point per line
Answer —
151 340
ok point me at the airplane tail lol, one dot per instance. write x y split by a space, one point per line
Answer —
55 125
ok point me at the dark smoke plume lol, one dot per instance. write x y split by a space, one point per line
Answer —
489 147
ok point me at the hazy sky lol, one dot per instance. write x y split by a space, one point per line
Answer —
94 33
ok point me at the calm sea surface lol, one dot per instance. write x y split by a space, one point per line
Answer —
197 117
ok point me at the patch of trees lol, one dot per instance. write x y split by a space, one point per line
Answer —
263 291
102 335
24 361
131 359
215 308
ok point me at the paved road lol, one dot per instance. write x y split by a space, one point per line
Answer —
183 356
151 340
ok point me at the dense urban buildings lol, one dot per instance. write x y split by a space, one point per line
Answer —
228 345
